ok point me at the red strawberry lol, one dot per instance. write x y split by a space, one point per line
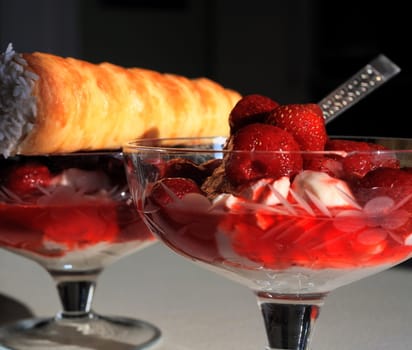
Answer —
242 167
396 184
169 189
390 179
250 109
304 121
324 164
28 178
358 164
351 145
179 167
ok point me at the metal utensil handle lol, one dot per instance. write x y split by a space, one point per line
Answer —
370 77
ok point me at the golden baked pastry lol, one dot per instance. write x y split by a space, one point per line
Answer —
51 104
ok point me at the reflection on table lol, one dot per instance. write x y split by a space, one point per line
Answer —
197 309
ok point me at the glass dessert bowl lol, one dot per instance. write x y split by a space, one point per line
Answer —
290 225
73 215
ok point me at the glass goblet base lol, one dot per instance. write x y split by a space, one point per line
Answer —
91 332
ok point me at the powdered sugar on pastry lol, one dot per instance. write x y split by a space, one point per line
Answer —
17 104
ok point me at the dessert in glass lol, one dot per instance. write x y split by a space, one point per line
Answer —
279 207
70 210
72 214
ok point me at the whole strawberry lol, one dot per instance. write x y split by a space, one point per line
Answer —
250 109
171 189
304 121
394 183
361 158
28 178
259 143
389 179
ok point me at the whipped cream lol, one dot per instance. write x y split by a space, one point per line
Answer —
330 191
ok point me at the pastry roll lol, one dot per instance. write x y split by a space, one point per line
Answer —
51 104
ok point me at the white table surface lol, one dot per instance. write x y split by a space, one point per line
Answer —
199 310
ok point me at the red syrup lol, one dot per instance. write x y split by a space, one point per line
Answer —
73 209
375 234
54 230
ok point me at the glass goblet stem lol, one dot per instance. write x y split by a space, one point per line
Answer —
76 290
289 319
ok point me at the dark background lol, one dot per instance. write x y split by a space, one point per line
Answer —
294 51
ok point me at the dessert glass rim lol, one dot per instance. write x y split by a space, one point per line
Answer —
179 145
116 153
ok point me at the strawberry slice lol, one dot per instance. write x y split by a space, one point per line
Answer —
250 109
370 241
357 165
304 121
243 167
395 183
168 190
28 178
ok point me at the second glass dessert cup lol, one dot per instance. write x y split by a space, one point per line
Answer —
343 216
73 215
